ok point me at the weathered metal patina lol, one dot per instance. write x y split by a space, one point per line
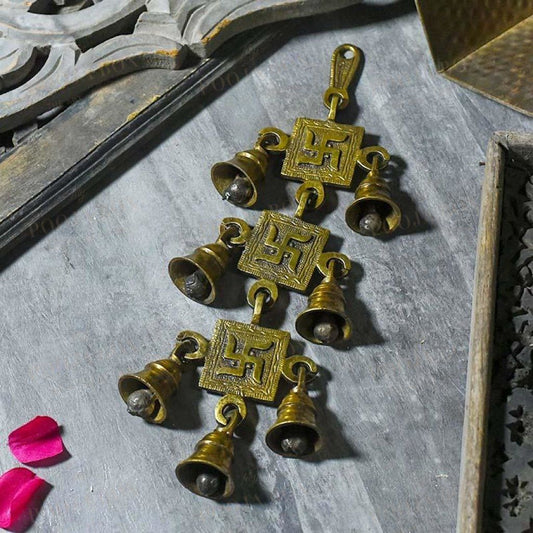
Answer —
484 45
247 361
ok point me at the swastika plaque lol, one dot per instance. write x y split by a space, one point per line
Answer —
284 250
323 150
245 359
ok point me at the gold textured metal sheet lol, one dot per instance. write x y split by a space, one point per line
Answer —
284 250
245 359
485 45
456 28
323 150
502 69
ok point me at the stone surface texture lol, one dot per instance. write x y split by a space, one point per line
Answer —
88 298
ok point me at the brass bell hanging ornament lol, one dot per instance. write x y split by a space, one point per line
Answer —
247 361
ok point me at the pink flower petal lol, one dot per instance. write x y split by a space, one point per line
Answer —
17 489
37 440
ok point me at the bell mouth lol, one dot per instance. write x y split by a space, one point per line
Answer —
222 176
180 269
388 211
189 471
278 434
308 320
129 383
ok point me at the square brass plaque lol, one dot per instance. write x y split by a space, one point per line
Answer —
323 150
284 250
245 359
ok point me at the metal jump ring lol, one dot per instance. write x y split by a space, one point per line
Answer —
327 257
243 228
199 341
268 134
230 400
269 287
293 362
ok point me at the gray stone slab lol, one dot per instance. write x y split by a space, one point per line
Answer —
91 299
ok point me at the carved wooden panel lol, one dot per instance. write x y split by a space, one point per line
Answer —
84 44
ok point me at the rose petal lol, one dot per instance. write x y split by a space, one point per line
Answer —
37 440
17 488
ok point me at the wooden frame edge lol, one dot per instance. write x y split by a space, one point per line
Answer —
473 451
478 381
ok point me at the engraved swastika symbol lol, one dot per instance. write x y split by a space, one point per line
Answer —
245 359
283 249
323 150
320 146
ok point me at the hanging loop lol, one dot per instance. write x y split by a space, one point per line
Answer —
344 63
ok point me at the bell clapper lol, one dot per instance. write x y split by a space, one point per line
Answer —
239 191
141 403
296 444
209 483
326 329
371 222
197 286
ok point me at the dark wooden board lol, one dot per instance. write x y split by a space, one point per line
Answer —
499 385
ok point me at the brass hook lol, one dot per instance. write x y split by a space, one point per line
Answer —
344 63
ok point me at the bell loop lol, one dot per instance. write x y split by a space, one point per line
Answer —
230 412
273 140
262 295
292 366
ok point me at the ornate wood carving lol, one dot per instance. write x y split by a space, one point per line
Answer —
52 51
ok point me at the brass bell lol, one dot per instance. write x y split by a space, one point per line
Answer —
146 392
295 433
196 274
207 472
373 212
325 321
237 179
